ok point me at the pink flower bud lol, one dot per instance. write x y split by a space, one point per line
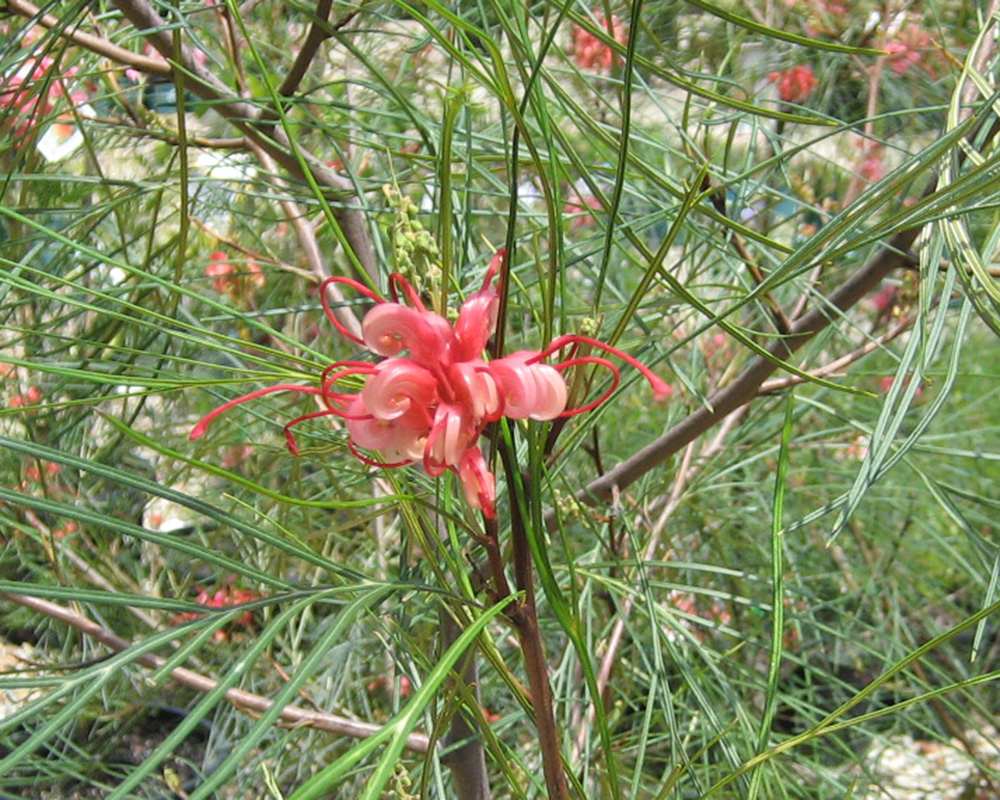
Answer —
479 485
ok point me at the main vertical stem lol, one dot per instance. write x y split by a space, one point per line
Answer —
525 620
541 696
467 757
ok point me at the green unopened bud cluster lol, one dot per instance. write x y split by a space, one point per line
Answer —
589 326
570 509
400 786
414 252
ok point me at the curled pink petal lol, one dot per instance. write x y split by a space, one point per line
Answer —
399 386
477 388
552 392
479 485
393 438
516 384
530 390
496 265
477 322
450 436
477 318
390 328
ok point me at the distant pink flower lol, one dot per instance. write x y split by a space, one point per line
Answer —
236 455
589 51
223 598
227 279
908 50
578 206
884 301
795 84
28 95
31 397
384 684
886 383
219 269
432 404
872 168
826 6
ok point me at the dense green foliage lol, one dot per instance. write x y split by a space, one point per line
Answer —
754 611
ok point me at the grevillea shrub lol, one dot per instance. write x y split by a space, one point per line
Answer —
484 401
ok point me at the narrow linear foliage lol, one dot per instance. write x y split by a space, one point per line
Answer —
499 400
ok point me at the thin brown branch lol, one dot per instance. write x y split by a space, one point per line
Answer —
233 45
96 44
718 197
894 255
745 388
247 117
243 115
245 701
839 364
803 301
525 621
747 385
319 32
868 146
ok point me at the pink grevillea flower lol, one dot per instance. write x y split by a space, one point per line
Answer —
227 279
28 95
432 393
590 52
795 84
909 50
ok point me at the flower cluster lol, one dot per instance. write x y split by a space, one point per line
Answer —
908 50
227 280
578 207
795 84
225 597
32 397
589 51
29 94
432 404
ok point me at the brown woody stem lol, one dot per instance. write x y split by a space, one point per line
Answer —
525 621
202 683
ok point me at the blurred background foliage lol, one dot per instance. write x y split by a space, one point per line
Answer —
665 173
